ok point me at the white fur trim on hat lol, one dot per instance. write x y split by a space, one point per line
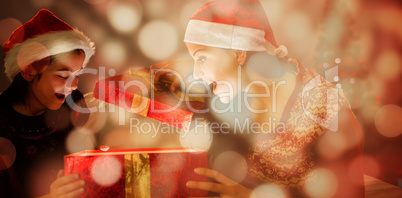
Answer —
37 48
225 36
281 51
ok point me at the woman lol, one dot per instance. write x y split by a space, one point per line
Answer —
43 60
305 141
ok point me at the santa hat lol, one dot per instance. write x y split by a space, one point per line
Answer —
233 24
42 36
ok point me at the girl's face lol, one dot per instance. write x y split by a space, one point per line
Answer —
58 81
217 66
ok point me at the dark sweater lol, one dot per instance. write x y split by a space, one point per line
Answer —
39 142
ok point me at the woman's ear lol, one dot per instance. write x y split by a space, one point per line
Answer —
26 76
241 56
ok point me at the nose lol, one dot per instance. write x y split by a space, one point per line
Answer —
197 72
73 84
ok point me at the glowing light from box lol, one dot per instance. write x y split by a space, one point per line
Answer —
7 153
388 120
119 138
158 40
7 26
268 190
113 53
124 17
106 170
231 164
389 65
80 140
198 137
321 183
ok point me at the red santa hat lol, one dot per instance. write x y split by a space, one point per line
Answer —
42 36
233 24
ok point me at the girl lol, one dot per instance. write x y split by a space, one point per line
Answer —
305 140
43 60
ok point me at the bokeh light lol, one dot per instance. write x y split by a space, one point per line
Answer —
106 170
7 26
155 8
388 120
113 53
124 17
321 183
188 10
389 65
158 40
7 153
356 91
80 140
198 137
268 190
232 165
371 166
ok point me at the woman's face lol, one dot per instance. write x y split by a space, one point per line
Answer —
217 66
58 81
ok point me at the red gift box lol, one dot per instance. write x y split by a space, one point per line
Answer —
158 172
136 92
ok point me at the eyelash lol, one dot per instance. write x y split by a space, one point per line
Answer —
65 78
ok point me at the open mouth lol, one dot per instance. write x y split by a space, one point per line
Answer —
60 96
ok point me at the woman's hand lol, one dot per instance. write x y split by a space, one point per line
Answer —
226 187
63 188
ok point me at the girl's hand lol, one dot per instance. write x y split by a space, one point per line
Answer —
63 188
226 187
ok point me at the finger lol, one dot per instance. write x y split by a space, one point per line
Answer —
209 186
215 175
75 193
158 74
175 84
71 187
155 70
65 179
60 173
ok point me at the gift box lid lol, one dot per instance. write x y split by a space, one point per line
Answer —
134 151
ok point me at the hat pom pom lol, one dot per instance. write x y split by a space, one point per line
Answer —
281 51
